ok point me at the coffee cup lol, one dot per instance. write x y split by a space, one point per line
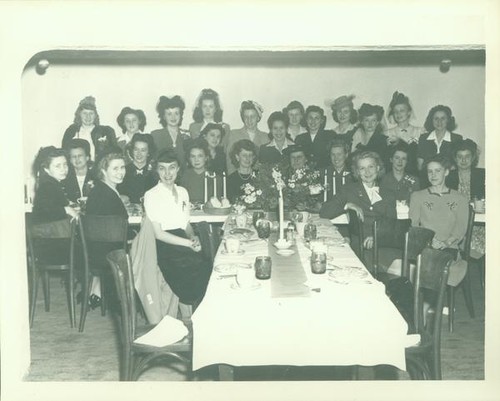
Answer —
300 228
245 277
232 245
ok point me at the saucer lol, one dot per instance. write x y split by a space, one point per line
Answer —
285 252
254 286
243 231
283 245
230 268
239 253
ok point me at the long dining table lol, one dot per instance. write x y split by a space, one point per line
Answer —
340 318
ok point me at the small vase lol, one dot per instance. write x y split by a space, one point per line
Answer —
241 220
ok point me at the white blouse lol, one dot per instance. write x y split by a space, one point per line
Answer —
161 207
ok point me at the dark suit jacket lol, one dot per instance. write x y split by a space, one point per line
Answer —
103 137
317 149
103 201
50 200
71 185
354 192
477 180
163 140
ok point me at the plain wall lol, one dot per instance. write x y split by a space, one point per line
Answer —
49 100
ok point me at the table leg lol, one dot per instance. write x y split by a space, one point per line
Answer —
226 373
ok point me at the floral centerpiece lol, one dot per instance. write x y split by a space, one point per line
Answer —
301 188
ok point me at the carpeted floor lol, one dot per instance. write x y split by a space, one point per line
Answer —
59 353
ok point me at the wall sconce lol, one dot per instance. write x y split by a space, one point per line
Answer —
445 65
42 66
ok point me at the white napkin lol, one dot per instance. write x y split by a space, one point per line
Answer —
412 340
167 332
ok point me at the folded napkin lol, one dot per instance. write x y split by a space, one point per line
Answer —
167 332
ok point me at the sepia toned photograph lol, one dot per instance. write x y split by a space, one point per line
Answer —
297 215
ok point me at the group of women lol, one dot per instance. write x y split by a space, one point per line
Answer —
366 166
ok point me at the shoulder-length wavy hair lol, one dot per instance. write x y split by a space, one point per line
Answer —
207 94
165 103
367 155
105 160
242 144
466 144
146 138
210 127
87 103
128 110
316 109
44 157
451 125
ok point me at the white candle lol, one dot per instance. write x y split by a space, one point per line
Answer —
214 180
325 184
343 178
206 188
281 216
224 184
334 183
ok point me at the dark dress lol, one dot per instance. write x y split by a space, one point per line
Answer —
136 182
103 201
269 154
163 140
477 182
217 164
234 183
48 206
346 136
195 185
403 188
377 143
72 188
317 149
103 137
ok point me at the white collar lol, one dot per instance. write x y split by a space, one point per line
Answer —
285 145
432 136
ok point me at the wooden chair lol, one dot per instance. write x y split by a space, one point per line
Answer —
44 260
466 282
356 234
137 358
423 360
99 233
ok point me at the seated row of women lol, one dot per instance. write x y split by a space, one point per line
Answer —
362 129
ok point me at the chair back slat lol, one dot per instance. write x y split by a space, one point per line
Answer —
416 240
105 228
356 229
124 281
468 233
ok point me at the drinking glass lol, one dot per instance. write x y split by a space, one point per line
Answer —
257 216
263 228
263 265
310 231
318 262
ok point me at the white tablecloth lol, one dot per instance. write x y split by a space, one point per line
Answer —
342 324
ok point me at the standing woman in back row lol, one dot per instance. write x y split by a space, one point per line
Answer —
170 111
207 111
86 126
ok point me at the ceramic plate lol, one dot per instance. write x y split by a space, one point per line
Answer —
239 253
236 287
285 252
243 231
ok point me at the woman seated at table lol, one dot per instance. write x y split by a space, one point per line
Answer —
345 116
213 135
251 114
295 112
193 178
337 173
79 180
272 153
179 254
365 198
442 210
243 156
469 180
439 136
86 126
104 200
370 134
131 121
170 112
51 203
139 174
317 139
207 111
397 180
400 112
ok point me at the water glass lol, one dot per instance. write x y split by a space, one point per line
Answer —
263 265
310 231
263 228
318 262
256 216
